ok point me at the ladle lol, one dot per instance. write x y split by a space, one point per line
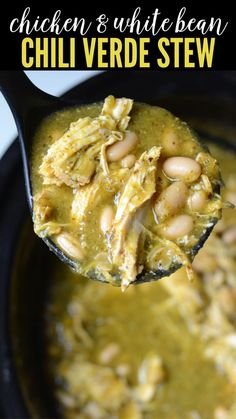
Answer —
29 106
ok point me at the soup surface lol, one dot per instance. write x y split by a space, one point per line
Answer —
127 356
124 189
161 350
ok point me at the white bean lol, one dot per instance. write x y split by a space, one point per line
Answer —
128 161
229 236
178 226
107 217
108 353
145 392
182 168
70 245
170 142
197 200
120 149
171 200
123 370
221 413
152 370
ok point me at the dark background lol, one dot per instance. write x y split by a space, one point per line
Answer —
224 56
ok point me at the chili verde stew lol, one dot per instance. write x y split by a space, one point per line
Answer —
124 189
166 351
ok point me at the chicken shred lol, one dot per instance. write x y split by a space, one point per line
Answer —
85 197
139 188
72 159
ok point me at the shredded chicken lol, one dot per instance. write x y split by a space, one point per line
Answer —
86 197
129 266
139 188
73 158
43 207
94 382
88 159
208 304
118 110
44 224
112 138
223 352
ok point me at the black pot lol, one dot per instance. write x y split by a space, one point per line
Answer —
207 100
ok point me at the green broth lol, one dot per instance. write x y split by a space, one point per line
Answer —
145 319
149 123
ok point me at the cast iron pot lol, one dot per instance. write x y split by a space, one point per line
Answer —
207 100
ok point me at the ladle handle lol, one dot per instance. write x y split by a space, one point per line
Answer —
28 105
21 94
